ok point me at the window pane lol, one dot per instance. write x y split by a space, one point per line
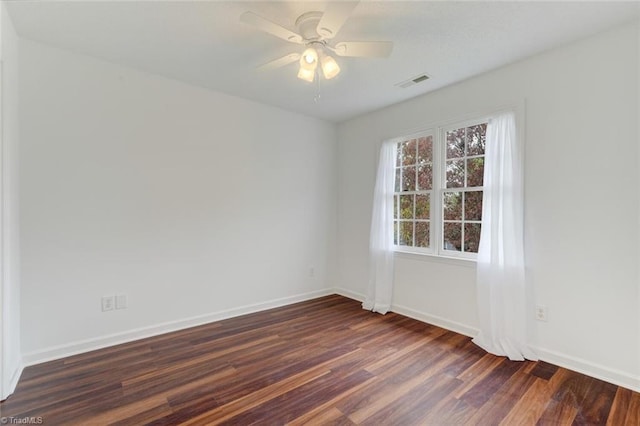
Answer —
425 150
408 152
475 171
398 176
471 237
455 173
409 178
455 143
423 206
453 236
395 232
406 234
425 176
473 205
452 205
395 206
476 139
422 234
406 207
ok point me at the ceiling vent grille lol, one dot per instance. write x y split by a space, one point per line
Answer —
415 80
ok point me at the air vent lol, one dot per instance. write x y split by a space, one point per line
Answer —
412 81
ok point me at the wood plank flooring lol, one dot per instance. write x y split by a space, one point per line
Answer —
324 361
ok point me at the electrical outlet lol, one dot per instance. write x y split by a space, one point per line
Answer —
541 313
312 272
107 303
121 301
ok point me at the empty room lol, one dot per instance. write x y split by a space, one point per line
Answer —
320 212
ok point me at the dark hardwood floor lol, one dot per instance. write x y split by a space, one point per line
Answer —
324 361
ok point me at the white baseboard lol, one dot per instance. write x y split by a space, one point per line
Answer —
350 294
617 377
13 382
418 315
74 348
435 320
607 374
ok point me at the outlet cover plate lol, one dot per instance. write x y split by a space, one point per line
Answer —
541 313
121 301
107 303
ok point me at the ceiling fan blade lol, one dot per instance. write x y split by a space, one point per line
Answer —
280 62
270 27
335 15
364 49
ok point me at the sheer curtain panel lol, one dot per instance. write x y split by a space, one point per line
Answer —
501 290
380 289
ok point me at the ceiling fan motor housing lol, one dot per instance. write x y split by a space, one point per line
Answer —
307 24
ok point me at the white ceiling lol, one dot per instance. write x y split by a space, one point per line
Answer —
203 43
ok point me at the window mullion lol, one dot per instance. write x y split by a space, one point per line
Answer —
462 216
436 211
415 193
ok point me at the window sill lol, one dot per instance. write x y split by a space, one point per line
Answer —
427 257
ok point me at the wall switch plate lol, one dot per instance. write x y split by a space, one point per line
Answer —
541 313
121 301
107 303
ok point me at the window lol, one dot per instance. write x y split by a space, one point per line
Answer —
413 192
438 190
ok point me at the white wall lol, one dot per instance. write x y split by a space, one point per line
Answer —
10 357
196 204
132 183
582 194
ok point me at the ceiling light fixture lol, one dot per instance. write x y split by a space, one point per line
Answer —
306 74
309 58
329 66
309 63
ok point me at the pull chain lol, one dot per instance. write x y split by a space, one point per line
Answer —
316 99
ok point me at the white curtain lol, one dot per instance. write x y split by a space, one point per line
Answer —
381 262
501 286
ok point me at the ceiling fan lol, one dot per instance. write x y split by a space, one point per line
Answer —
315 31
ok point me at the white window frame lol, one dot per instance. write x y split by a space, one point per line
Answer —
436 228
432 192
